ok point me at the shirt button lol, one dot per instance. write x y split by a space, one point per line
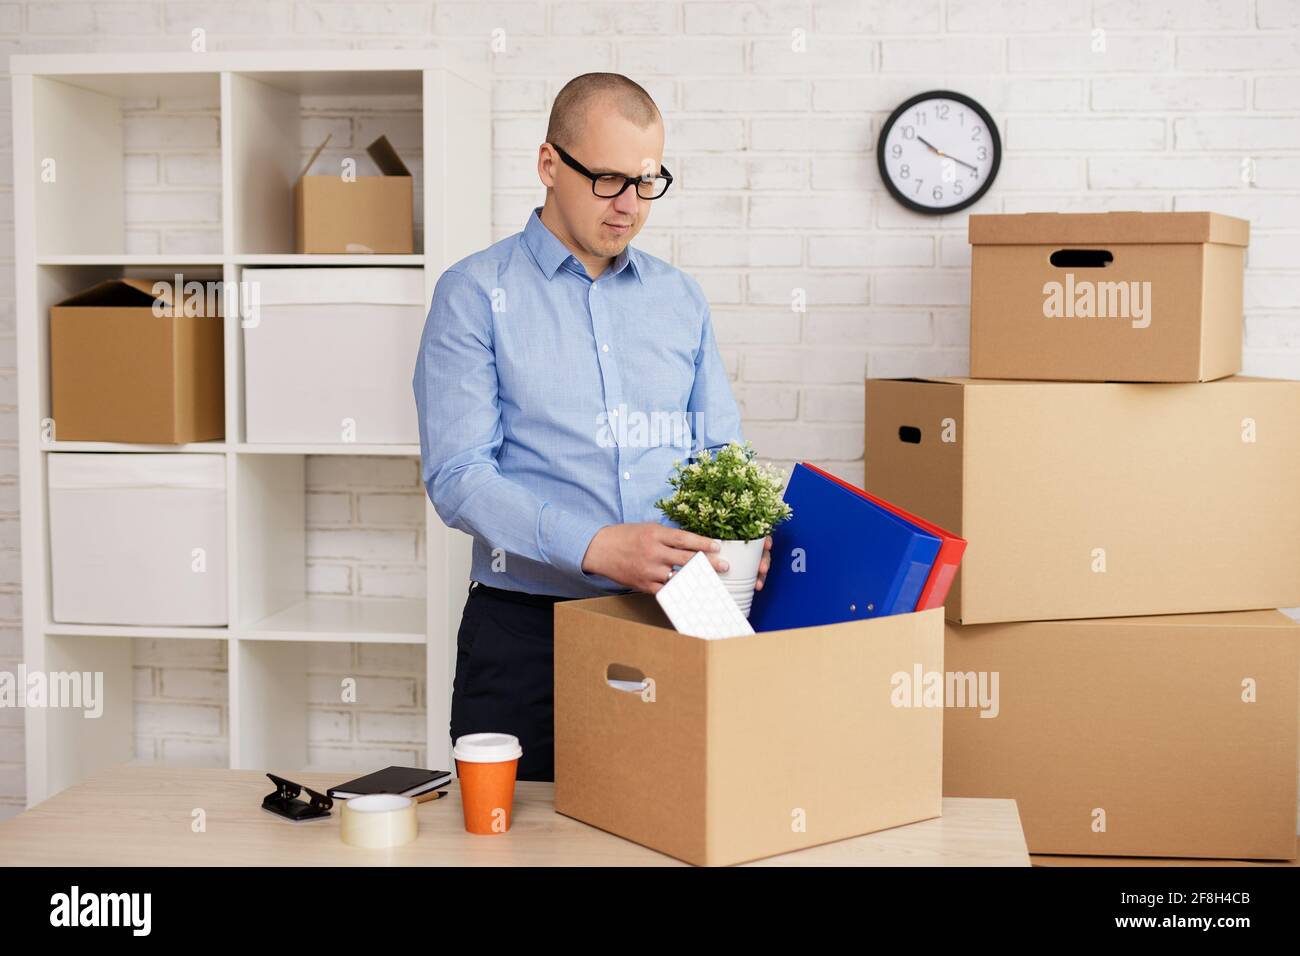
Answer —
627 476
605 347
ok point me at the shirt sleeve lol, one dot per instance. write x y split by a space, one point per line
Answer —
712 411
460 435
714 417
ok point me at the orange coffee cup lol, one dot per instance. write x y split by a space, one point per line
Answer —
486 765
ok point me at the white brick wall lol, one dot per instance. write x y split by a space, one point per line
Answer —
776 190
181 715
365 527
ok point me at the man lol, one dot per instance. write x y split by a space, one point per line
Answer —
532 351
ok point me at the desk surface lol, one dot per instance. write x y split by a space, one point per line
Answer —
143 816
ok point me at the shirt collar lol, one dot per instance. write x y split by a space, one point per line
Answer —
550 253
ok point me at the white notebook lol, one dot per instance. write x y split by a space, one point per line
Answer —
697 602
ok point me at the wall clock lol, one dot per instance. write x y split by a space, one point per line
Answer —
939 152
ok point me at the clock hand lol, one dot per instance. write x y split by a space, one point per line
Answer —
938 152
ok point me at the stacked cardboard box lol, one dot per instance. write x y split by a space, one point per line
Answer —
1115 479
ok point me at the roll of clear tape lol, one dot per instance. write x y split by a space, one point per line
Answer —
378 820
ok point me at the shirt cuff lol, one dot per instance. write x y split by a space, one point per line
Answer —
565 538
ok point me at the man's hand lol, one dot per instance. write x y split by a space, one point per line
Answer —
643 555
765 563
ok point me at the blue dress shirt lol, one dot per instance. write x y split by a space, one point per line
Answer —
551 405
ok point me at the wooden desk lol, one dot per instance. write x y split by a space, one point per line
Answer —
142 816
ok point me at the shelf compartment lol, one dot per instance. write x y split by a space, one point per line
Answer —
58 282
276 120
270 568
138 540
100 161
272 703
349 619
320 352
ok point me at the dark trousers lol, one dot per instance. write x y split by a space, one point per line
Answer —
505 679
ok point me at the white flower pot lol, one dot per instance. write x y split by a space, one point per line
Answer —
743 559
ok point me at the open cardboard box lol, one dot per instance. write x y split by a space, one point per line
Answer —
745 747
119 372
356 214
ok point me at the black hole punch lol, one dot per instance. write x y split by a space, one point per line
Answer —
285 803
910 434
1081 258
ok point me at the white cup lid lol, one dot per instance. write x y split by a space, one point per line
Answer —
487 748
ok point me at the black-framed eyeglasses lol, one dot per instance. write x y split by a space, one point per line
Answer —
612 185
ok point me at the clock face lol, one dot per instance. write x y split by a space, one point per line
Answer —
939 152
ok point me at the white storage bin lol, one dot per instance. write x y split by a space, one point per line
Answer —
138 539
329 355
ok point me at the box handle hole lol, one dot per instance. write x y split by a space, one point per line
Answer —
625 678
1081 258
910 434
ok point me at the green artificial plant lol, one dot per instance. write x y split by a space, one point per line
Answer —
729 496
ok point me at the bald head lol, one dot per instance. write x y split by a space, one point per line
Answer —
612 90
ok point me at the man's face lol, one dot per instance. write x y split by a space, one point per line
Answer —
609 144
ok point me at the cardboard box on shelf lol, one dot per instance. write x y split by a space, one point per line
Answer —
1098 500
1115 296
356 214
326 354
1167 736
120 372
744 747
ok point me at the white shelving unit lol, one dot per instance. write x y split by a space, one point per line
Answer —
70 108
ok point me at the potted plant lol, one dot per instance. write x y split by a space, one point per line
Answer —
731 497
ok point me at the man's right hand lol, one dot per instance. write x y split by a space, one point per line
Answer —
642 555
